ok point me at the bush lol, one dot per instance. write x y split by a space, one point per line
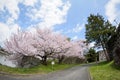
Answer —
73 60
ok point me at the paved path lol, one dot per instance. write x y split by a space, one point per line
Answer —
75 73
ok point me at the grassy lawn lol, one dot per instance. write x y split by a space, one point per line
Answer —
105 71
41 69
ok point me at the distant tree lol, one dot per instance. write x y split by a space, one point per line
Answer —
76 52
69 39
99 31
92 56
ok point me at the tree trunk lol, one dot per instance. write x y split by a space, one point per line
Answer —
60 59
105 52
117 56
44 60
110 54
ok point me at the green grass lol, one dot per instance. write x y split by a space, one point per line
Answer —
41 69
105 71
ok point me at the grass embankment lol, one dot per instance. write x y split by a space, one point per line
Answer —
41 69
105 71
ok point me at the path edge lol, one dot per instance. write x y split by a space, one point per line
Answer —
89 76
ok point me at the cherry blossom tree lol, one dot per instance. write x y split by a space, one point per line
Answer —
42 44
20 45
74 49
83 47
50 43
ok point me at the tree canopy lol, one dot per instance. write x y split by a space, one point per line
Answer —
92 56
43 44
99 30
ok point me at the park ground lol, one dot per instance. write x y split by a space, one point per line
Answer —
98 71
74 73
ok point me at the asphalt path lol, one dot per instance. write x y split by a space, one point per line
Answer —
74 73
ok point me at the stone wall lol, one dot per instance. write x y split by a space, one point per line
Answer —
29 61
26 62
4 58
102 56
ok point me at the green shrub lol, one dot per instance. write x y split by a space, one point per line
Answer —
73 60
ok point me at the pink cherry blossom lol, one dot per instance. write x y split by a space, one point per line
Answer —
43 44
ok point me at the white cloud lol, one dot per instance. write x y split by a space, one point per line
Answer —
6 31
51 12
9 27
31 29
75 38
29 2
13 8
111 10
78 28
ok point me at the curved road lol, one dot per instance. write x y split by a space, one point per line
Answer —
75 73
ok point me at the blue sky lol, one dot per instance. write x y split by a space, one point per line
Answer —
78 13
65 16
